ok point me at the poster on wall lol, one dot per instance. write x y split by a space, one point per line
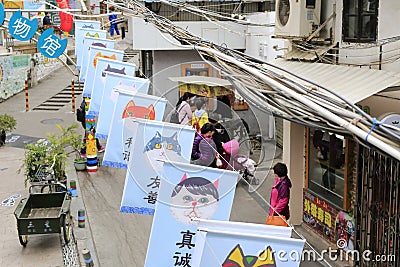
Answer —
88 41
145 143
129 104
245 244
105 66
13 73
187 193
34 5
129 83
344 230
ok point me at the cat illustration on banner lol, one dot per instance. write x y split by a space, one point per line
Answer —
162 148
131 110
194 198
114 70
96 35
99 44
99 54
236 258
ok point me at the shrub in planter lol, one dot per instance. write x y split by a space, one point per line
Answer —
7 124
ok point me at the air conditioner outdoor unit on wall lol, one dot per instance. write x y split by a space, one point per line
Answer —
297 18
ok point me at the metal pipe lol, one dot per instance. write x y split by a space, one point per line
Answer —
26 97
72 96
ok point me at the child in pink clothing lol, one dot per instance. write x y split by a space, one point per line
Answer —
280 193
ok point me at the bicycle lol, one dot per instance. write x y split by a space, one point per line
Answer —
47 181
253 147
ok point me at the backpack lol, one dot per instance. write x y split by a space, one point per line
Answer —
175 116
80 112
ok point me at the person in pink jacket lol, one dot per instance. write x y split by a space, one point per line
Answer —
280 193
183 108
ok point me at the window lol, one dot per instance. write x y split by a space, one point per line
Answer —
360 20
326 166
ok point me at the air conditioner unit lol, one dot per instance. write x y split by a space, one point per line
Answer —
297 18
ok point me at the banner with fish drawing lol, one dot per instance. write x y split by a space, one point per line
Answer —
187 193
91 63
80 34
145 143
105 114
88 41
83 25
245 244
103 67
129 105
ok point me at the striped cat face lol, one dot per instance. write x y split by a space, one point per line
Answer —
99 54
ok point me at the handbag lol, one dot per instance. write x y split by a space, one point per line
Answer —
276 221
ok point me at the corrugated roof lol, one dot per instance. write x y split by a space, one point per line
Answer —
202 80
307 55
353 83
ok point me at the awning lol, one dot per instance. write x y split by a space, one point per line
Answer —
203 86
353 83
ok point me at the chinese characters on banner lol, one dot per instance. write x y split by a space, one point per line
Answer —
319 215
103 67
50 45
109 97
85 46
245 244
145 143
22 28
187 192
129 105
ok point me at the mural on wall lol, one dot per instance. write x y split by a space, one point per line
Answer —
45 65
13 74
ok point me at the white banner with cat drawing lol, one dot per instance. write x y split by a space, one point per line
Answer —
146 142
103 67
129 104
92 41
187 192
90 62
86 32
245 244
107 105
80 27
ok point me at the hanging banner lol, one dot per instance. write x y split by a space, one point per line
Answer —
105 81
107 104
129 105
88 41
1 14
103 67
50 45
187 192
86 33
22 28
245 244
83 25
91 63
146 142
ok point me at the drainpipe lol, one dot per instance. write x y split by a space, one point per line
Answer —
148 65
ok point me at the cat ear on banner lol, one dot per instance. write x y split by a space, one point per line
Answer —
184 177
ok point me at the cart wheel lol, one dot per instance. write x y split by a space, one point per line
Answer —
23 240
67 227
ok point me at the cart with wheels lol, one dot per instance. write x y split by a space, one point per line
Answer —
44 214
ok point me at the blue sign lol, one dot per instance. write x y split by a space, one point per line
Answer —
22 28
1 14
186 194
129 105
50 45
145 143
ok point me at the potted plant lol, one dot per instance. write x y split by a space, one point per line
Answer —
43 154
7 124
77 144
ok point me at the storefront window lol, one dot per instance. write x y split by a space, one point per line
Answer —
326 165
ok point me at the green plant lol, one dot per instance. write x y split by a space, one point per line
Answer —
7 123
43 153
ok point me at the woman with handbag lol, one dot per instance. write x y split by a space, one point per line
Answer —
280 195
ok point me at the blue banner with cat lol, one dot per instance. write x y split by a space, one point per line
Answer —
83 25
90 63
145 143
107 66
83 32
129 105
88 41
107 105
245 244
187 193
